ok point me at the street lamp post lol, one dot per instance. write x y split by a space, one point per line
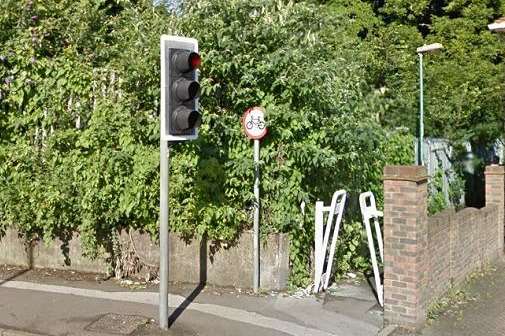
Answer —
425 49
420 138
498 27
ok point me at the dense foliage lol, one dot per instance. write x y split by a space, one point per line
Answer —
79 114
464 84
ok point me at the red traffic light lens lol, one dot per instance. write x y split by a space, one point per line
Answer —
185 61
195 60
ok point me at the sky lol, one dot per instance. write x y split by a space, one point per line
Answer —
172 4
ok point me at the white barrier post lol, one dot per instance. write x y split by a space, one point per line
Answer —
322 238
318 243
370 212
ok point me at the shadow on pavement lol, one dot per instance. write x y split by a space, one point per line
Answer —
14 276
29 253
194 294
368 276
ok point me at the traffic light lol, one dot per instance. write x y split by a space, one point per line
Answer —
180 89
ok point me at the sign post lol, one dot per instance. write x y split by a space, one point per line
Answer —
255 129
256 228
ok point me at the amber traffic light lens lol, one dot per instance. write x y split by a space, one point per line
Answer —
186 89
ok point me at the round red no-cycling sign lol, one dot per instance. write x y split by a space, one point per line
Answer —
253 122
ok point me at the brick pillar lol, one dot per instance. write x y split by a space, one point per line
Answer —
405 245
495 194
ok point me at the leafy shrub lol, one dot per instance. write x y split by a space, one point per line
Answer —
436 196
79 125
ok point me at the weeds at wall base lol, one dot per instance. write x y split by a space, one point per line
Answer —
457 296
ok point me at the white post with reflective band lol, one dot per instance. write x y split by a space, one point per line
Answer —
323 257
369 211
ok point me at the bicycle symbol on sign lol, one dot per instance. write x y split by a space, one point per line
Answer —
255 122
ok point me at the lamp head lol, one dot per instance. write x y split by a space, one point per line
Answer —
498 26
430 48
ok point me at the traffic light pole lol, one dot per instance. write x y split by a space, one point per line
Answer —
179 121
164 166
256 243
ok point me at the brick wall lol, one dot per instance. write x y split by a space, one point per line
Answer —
424 256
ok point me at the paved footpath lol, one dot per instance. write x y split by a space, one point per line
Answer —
54 307
483 315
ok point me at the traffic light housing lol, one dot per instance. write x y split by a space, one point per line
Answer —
180 89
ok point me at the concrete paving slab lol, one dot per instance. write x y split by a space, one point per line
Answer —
56 306
117 324
483 315
13 332
64 314
358 289
354 298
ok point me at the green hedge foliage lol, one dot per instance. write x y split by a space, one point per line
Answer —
79 126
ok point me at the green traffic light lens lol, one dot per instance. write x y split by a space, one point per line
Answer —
186 119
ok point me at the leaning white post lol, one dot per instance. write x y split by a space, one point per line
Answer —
370 212
323 257
318 245
338 207
378 234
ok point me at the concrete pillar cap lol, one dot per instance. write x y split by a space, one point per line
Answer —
494 170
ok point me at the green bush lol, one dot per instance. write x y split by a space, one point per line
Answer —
436 198
79 121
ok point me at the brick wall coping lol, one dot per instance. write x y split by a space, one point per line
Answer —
495 170
444 214
451 212
405 173
489 208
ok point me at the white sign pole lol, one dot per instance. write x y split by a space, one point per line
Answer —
256 243
255 129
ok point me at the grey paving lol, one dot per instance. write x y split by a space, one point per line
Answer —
117 324
63 314
484 315
52 309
